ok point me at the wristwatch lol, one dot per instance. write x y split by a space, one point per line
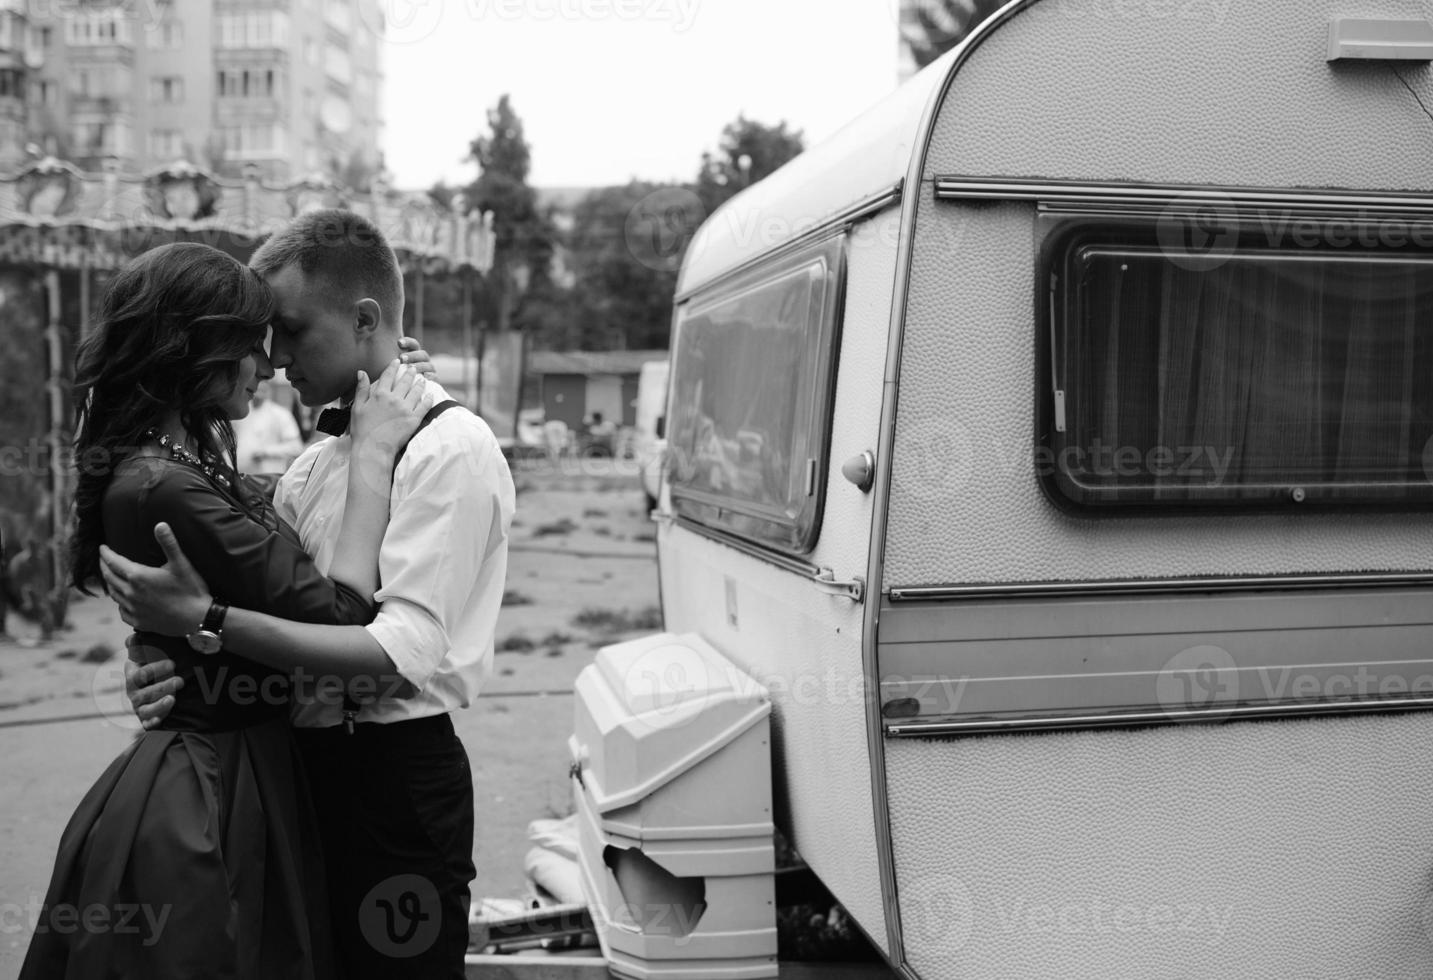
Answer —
209 637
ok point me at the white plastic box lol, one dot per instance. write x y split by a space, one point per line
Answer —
671 752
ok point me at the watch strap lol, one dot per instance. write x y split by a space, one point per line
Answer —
214 618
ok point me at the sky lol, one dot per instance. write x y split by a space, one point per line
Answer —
610 90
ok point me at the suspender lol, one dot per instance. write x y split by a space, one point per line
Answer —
350 706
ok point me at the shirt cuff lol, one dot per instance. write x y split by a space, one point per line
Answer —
413 639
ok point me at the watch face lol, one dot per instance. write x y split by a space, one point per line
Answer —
204 641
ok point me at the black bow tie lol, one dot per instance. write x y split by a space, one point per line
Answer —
333 421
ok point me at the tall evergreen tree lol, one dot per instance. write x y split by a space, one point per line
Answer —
524 236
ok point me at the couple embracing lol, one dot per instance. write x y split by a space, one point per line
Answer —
298 805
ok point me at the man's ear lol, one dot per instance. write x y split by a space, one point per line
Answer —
368 318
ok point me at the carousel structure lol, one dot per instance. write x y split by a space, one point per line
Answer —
64 231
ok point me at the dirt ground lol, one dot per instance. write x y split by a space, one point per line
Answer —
581 573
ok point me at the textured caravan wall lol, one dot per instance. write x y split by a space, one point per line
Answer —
1292 849
806 645
1227 93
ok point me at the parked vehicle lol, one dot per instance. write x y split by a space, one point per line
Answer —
1053 443
649 440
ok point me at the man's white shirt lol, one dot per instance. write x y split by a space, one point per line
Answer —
441 567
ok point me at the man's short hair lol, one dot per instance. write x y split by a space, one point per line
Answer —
345 252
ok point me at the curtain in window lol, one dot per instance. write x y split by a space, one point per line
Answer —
1264 373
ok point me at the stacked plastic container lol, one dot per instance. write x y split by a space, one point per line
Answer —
671 758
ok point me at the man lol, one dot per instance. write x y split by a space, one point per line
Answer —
391 783
267 439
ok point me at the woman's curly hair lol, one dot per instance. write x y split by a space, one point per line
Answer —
173 327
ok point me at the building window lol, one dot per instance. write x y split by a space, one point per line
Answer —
47 92
12 84
336 64
258 141
311 55
101 137
47 37
337 15
254 29
166 90
165 34
1270 373
101 81
752 384
95 28
166 144
246 83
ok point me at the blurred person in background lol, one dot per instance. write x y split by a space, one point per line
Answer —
268 439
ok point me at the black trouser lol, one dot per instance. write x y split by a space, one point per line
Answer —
395 807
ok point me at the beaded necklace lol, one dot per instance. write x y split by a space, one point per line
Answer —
182 453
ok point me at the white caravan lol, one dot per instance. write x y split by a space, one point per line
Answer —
1054 443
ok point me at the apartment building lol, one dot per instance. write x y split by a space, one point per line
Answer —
291 86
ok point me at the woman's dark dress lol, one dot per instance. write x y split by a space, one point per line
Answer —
203 827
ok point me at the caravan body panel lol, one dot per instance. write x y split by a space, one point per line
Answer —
1276 848
802 643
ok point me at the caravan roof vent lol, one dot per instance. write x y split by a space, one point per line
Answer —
1353 38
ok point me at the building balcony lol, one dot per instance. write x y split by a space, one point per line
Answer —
238 111
100 105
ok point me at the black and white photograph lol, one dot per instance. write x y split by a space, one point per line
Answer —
716 489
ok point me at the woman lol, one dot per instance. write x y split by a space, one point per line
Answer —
197 846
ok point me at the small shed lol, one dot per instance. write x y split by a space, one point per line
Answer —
575 384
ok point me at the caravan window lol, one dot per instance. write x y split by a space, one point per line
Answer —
749 419
1266 372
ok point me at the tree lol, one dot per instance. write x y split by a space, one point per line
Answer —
748 151
524 236
627 243
625 248
942 24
